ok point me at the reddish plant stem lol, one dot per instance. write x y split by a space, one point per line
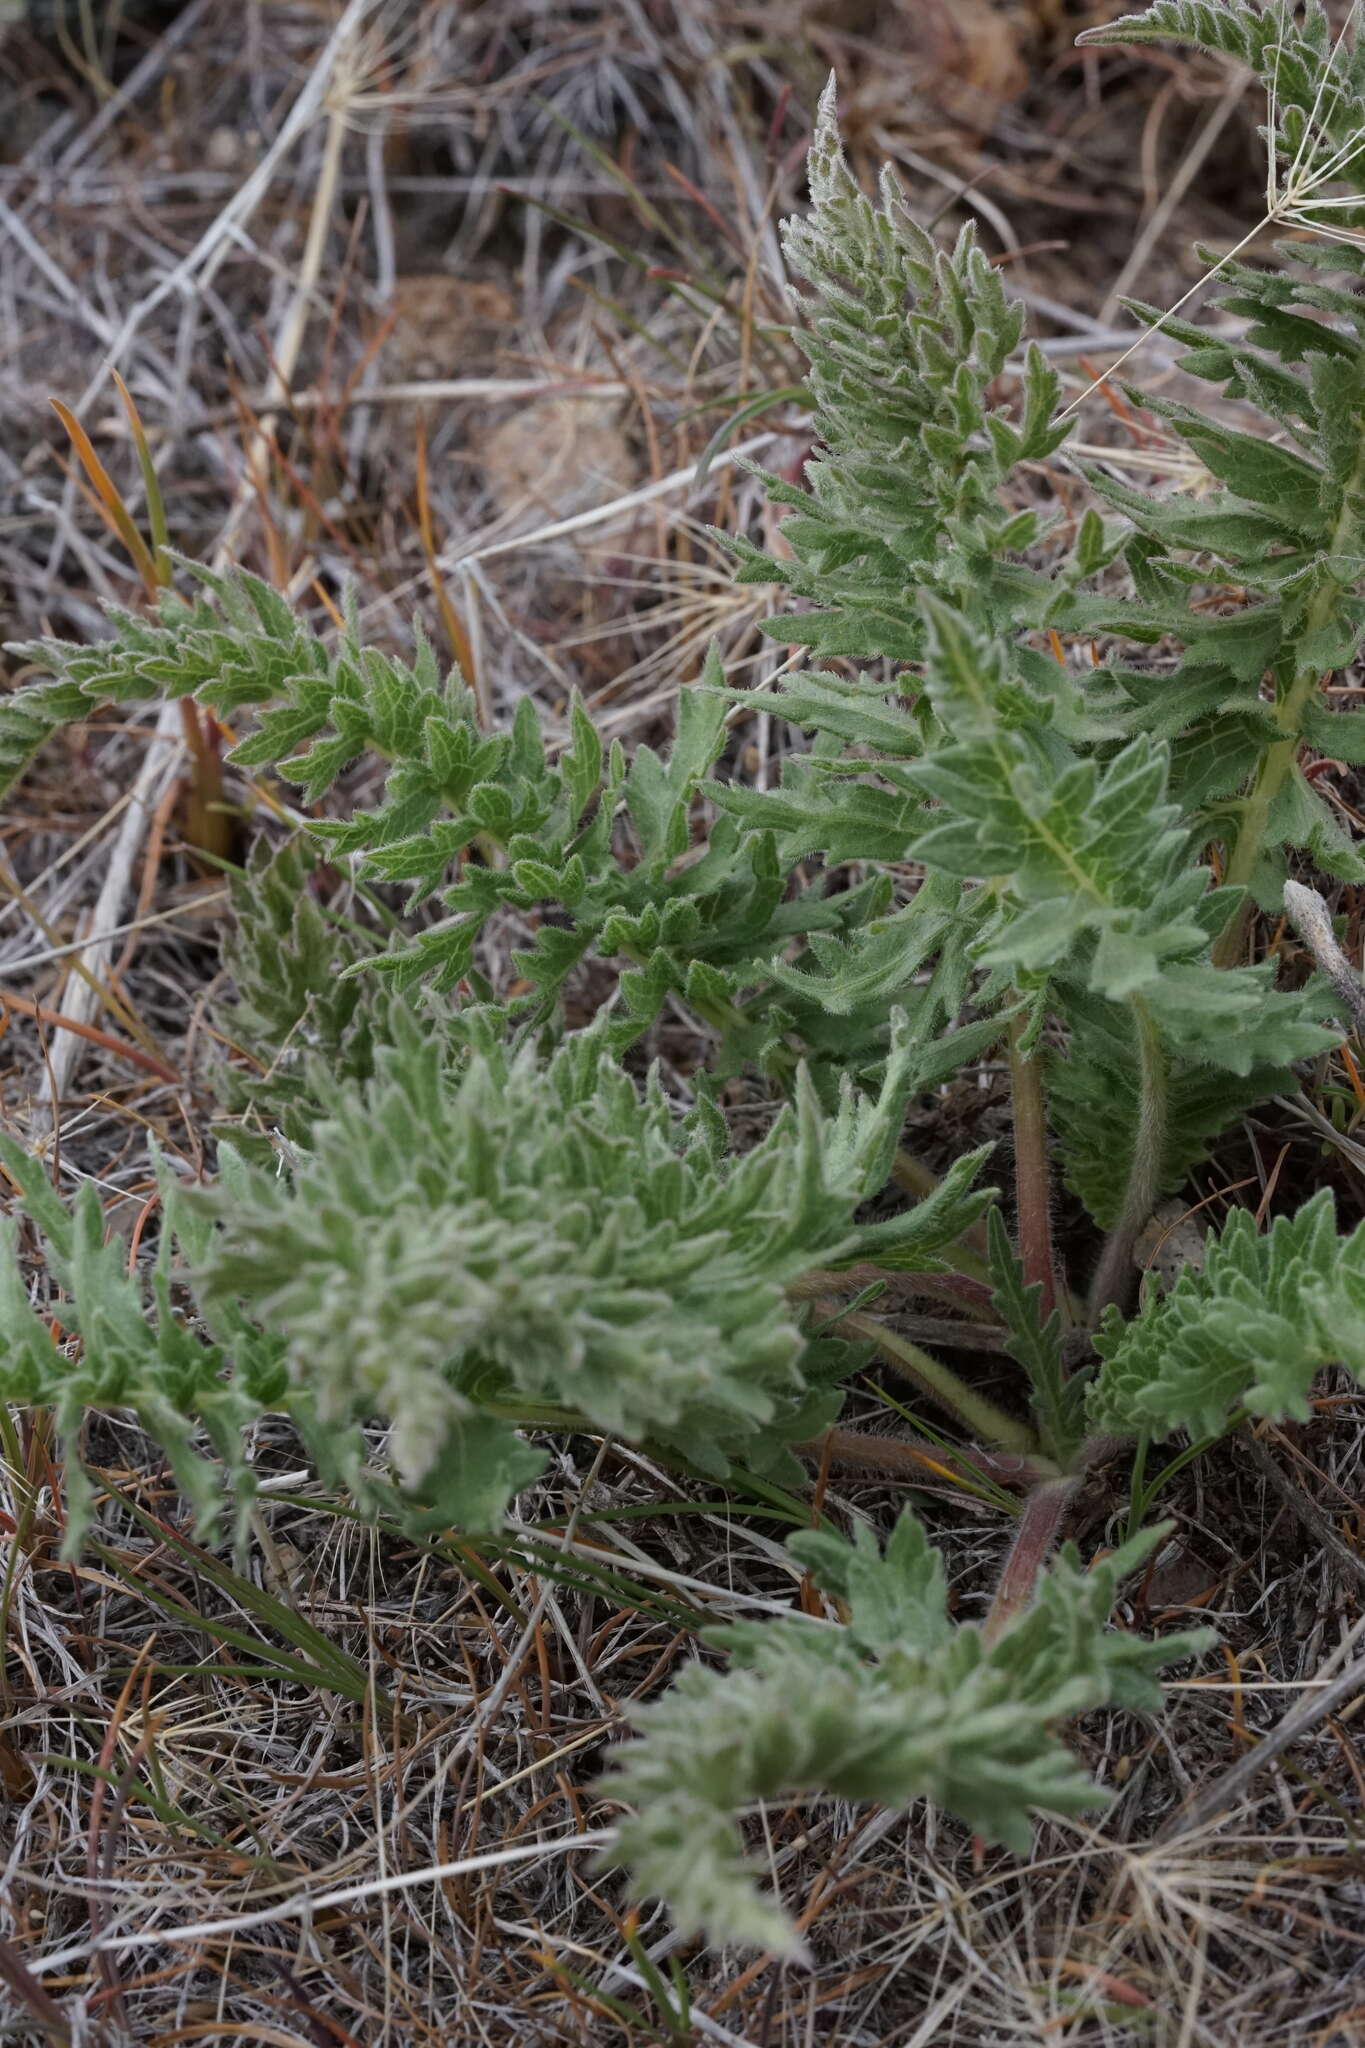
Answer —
958 1290
1035 1538
954 1289
26 1006
208 827
898 1457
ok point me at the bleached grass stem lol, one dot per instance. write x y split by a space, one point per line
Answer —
304 1905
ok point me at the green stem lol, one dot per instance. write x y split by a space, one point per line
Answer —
981 1416
1137 1481
1144 1491
1114 1274
912 1174
207 824
970 1265
1032 1189
1277 762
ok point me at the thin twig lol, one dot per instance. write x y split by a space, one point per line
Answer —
162 757
1226 1790
220 235
1307 1510
1177 186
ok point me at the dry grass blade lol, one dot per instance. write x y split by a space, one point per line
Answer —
1295 203
109 497
25 1006
33 1999
456 635
1333 1691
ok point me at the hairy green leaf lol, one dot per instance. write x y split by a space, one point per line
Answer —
899 1705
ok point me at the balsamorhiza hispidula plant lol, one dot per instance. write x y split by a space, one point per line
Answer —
457 1218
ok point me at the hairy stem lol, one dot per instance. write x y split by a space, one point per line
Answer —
899 1457
961 1291
1114 1274
954 1290
207 825
1035 1538
821 1281
981 1416
1032 1188
1277 762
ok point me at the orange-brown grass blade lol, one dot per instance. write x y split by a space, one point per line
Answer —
455 632
206 825
54 1021
109 498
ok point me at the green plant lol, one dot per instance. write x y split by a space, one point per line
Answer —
458 1219
123 1344
513 1236
522 828
896 1704
1247 1334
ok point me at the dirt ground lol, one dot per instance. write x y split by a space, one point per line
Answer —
442 304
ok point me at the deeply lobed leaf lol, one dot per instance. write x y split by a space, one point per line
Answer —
1251 1331
900 1704
548 1221
125 1344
